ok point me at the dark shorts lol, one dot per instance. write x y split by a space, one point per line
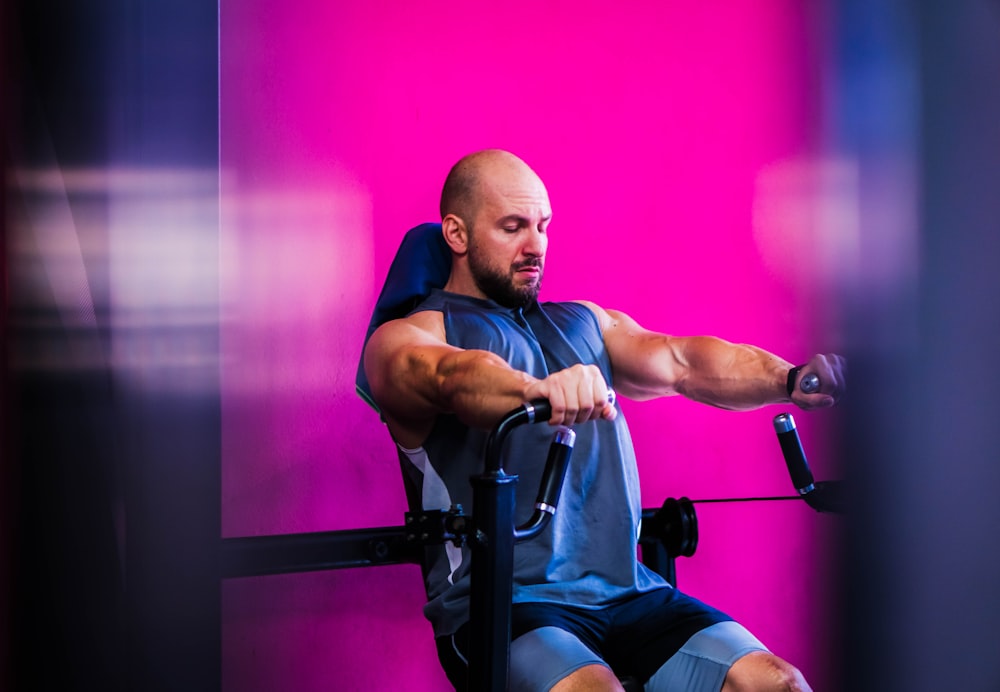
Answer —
635 637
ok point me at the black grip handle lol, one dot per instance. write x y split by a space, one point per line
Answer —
555 469
538 410
795 457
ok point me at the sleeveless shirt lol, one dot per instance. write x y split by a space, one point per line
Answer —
586 556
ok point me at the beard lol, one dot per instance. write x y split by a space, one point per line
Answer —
499 286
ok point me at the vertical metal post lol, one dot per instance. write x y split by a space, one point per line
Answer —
492 581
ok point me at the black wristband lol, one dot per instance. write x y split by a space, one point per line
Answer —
793 375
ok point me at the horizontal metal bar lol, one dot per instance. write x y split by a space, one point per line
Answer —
249 556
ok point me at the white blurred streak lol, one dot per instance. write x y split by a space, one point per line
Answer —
125 254
51 232
163 263
164 247
50 287
296 285
841 233
162 258
806 221
890 241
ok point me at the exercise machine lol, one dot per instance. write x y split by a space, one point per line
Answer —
668 532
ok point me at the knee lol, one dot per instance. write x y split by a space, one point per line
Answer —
764 672
786 678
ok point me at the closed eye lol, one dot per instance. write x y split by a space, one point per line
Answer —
513 224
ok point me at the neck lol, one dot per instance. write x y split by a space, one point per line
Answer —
462 283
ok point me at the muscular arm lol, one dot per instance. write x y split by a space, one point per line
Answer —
705 369
415 375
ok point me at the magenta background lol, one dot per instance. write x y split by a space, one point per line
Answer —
653 126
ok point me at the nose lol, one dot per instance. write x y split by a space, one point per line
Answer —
536 243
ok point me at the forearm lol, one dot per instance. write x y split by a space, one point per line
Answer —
730 376
479 387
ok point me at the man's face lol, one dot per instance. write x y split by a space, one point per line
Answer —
507 240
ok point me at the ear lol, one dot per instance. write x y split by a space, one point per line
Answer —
455 234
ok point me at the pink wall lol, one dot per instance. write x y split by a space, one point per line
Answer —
662 131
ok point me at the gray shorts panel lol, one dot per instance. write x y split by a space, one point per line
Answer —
544 656
702 663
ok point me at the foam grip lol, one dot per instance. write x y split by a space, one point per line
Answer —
555 467
795 457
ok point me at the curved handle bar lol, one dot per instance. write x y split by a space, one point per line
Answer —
534 411
537 411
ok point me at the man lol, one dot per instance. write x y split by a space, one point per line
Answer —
445 374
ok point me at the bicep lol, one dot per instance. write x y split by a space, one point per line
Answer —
402 363
646 364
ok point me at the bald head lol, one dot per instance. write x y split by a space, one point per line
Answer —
469 180
494 215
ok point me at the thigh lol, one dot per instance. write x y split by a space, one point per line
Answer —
544 656
702 663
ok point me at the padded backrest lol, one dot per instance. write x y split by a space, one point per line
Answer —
422 263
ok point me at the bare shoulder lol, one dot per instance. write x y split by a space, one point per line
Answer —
609 320
603 318
425 327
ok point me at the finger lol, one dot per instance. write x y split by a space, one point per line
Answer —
811 402
604 397
836 376
829 369
557 402
585 388
610 411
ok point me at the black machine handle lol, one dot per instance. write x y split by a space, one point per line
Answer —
823 496
535 411
795 457
551 485
810 383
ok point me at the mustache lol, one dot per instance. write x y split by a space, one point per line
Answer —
533 262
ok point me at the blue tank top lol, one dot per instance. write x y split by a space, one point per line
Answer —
586 556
